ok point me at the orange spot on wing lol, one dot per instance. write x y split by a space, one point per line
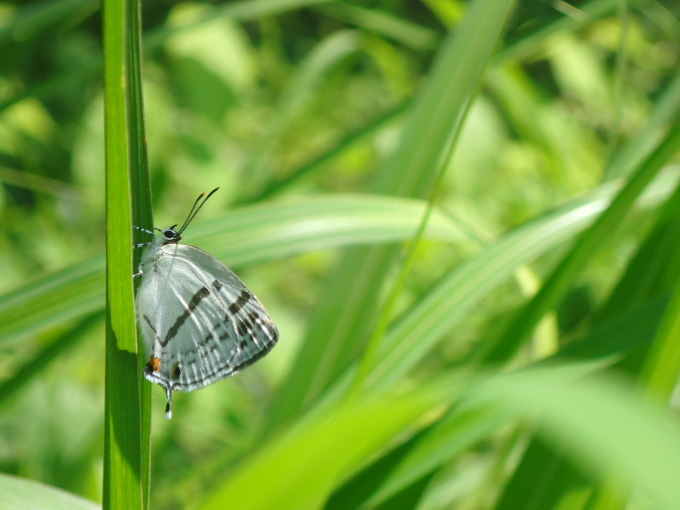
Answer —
154 364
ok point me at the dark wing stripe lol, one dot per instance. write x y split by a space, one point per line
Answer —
148 321
200 295
208 377
236 306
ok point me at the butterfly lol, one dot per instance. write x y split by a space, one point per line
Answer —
199 322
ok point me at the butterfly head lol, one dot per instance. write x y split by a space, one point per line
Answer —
173 234
170 235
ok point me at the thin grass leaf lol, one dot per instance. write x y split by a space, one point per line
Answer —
245 10
272 187
301 92
662 366
340 438
34 18
463 288
53 299
462 428
242 237
45 356
401 31
634 310
512 336
665 113
123 465
586 14
660 255
600 423
142 214
22 494
346 315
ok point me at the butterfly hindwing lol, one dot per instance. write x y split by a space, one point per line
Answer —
199 322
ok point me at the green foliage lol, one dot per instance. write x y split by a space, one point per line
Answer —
528 359
126 418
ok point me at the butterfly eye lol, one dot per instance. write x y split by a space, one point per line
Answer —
170 234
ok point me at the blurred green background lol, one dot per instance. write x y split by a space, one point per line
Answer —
299 111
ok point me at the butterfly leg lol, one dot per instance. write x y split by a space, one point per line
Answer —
142 245
138 274
143 230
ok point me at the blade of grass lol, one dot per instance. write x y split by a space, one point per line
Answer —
651 273
459 291
368 358
505 345
272 188
601 423
314 69
239 238
123 471
18 493
345 314
266 232
461 429
246 10
51 352
402 31
339 437
661 370
586 13
142 216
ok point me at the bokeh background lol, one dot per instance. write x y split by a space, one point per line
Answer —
294 110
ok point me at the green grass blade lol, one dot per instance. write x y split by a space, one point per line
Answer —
506 344
586 14
142 215
400 30
123 472
636 310
460 430
346 315
48 354
339 437
246 236
22 494
661 369
462 289
660 256
600 423
326 56
53 299
274 187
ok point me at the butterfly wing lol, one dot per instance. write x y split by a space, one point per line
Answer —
199 322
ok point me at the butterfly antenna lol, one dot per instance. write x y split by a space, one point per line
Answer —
195 208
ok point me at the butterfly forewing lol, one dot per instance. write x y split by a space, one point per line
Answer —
199 321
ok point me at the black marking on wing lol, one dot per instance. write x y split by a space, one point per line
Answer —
208 377
176 371
242 327
240 302
200 295
148 321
